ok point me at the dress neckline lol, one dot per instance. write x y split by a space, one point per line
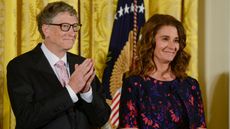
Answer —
164 81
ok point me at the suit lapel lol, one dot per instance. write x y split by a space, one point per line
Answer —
71 63
43 65
72 60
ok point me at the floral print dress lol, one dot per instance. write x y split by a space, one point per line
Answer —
147 103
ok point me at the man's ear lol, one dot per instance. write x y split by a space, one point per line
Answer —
45 30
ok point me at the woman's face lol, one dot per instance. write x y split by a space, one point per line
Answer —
167 44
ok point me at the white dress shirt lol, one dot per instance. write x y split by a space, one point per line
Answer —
53 59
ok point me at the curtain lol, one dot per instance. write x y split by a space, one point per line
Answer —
18 34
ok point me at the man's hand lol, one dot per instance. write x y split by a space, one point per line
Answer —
82 77
88 83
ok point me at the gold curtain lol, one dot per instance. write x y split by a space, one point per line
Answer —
18 34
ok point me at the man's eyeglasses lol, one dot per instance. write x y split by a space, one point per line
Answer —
66 26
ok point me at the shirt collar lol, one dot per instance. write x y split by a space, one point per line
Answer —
52 58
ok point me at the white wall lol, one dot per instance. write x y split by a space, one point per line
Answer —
214 33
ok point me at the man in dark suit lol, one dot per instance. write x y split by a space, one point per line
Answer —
40 96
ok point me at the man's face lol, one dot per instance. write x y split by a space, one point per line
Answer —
55 38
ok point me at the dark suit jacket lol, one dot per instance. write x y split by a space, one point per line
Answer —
40 102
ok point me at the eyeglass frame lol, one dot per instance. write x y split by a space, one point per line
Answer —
70 25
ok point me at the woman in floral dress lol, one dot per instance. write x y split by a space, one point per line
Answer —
158 94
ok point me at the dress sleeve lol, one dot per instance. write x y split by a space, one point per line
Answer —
128 104
196 113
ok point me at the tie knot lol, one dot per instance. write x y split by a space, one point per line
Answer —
60 63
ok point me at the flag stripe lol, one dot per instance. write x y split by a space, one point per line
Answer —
115 109
115 100
115 121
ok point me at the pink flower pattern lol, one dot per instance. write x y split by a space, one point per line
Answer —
152 104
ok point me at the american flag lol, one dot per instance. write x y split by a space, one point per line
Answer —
130 16
114 117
